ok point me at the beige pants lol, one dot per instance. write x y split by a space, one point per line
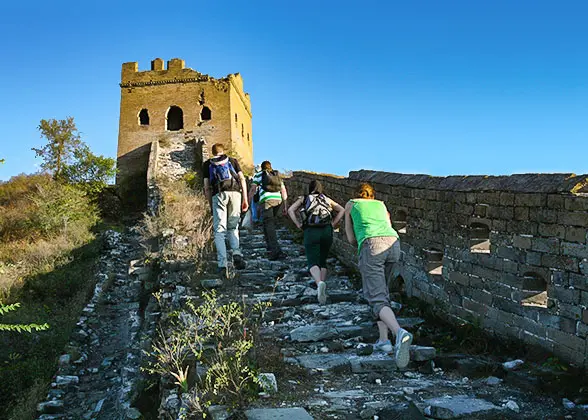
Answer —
377 258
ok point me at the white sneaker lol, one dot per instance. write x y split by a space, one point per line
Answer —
322 292
403 342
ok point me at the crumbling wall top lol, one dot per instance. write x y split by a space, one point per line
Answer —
525 183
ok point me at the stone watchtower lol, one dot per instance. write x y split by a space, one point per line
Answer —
177 102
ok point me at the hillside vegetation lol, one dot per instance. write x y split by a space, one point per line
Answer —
48 247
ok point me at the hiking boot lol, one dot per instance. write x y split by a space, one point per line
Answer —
403 342
223 273
383 346
239 262
322 292
280 255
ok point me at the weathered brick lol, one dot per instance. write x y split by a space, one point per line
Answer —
500 212
530 200
481 210
499 225
566 295
560 278
566 340
506 199
521 227
567 325
550 245
521 213
522 241
460 278
474 306
583 265
529 325
467 209
576 234
573 218
570 311
561 262
555 201
533 258
574 249
481 296
585 316
543 215
550 230
489 198
578 281
576 203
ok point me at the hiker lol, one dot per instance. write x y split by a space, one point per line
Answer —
317 222
368 225
255 210
226 191
271 195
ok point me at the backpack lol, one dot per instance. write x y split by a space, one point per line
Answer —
316 211
221 173
271 181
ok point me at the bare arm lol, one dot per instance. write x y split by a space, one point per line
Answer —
292 212
284 194
349 224
244 197
339 212
208 191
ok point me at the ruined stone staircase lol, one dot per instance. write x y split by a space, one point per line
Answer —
340 377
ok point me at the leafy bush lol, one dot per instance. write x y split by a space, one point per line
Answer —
218 335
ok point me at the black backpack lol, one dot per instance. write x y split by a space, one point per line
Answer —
316 211
271 181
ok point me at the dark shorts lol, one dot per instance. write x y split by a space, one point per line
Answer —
317 244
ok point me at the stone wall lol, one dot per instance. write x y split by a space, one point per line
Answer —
507 252
146 100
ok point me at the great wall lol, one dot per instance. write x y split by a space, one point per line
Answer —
505 254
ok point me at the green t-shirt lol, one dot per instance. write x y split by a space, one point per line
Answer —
370 220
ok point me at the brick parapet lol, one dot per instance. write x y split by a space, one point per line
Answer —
537 229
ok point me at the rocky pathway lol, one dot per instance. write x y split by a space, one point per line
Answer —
98 373
328 368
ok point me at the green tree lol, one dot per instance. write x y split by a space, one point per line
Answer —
88 171
4 309
62 140
69 160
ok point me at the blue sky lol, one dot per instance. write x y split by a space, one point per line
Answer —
451 87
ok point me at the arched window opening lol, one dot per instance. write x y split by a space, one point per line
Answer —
400 221
236 120
144 117
205 114
434 261
248 140
534 290
242 130
479 238
175 118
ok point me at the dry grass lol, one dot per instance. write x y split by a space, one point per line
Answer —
186 212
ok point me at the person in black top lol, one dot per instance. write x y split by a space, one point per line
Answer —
226 191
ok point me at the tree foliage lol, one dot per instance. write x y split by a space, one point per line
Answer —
62 140
4 309
69 160
88 171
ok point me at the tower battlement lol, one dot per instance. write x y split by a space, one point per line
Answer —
170 97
